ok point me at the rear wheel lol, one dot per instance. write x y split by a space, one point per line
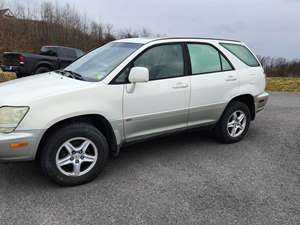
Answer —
42 70
234 123
74 155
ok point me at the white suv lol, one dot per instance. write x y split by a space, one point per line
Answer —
125 91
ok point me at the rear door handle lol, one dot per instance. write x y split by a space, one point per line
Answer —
180 85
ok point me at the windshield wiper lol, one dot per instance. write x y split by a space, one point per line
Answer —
71 74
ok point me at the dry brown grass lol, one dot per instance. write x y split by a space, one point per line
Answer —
288 84
6 76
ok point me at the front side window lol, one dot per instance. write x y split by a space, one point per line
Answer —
242 53
79 53
163 61
49 51
67 53
96 65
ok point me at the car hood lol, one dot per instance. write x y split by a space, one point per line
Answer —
25 90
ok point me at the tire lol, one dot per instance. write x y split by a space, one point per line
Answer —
19 75
225 129
42 70
59 149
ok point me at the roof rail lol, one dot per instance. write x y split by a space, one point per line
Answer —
196 38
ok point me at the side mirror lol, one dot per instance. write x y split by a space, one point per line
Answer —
138 75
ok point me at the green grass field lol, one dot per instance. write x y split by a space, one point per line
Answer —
289 84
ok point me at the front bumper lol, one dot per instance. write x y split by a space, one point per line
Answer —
26 153
261 101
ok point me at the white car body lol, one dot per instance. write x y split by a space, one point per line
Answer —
153 108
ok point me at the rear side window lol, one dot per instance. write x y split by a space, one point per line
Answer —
242 53
207 59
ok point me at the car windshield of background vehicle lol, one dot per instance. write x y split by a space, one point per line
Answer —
96 65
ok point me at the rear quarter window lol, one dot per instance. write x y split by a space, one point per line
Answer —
242 53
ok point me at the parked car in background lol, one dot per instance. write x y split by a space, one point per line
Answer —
49 58
127 91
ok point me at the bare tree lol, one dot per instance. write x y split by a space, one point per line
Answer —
55 24
280 66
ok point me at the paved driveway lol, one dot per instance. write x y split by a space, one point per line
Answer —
187 178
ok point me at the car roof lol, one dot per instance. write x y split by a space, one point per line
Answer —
57 46
148 40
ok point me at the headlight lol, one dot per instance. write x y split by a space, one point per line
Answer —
10 117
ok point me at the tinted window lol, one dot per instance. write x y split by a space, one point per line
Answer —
67 52
79 53
49 51
226 66
163 61
204 59
242 53
123 76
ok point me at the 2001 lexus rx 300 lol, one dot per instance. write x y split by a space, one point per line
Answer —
124 91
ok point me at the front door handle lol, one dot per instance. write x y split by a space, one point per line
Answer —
231 78
180 85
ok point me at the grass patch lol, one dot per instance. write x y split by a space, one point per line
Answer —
289 84
6 76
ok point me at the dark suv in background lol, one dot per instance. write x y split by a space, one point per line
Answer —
48 59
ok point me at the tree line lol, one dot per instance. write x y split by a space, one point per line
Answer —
55 24
280 67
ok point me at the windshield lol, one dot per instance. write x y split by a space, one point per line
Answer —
97 64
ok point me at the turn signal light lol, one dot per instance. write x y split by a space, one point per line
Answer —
19 145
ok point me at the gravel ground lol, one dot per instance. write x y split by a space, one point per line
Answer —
188 178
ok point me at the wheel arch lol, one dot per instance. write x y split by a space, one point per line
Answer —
43 64
99 121
247 99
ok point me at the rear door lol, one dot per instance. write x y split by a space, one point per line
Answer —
213 78
160 105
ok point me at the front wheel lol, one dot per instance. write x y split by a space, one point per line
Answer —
74 155
234 123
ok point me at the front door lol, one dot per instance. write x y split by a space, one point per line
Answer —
160 105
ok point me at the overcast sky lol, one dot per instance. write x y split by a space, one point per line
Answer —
270 27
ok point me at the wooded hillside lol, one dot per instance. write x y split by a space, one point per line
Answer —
26 30
53 24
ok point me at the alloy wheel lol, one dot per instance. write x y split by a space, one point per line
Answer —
237 123
76 156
